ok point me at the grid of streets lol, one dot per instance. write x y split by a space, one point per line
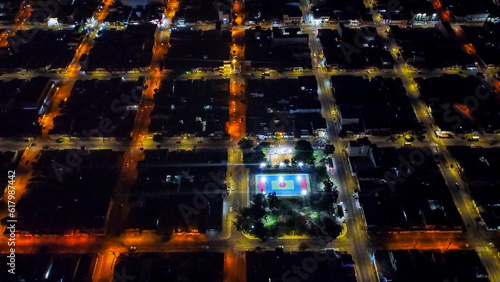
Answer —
137 152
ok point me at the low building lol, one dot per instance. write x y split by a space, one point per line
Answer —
277 266
429 265
292 14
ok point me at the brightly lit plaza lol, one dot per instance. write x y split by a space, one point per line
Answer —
279 155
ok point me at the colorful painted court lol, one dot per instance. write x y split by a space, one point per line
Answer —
284 184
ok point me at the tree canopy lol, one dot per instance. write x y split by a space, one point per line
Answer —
304 151
329 149
251 155
271 217
246 144
321 173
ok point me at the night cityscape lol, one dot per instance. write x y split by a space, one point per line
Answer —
250 140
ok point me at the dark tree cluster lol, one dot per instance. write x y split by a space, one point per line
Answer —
271 217
304 152
252 155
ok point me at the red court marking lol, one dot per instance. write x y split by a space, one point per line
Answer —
262 186
282 184
303 183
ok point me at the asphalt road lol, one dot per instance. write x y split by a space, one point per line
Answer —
476 234
356 241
